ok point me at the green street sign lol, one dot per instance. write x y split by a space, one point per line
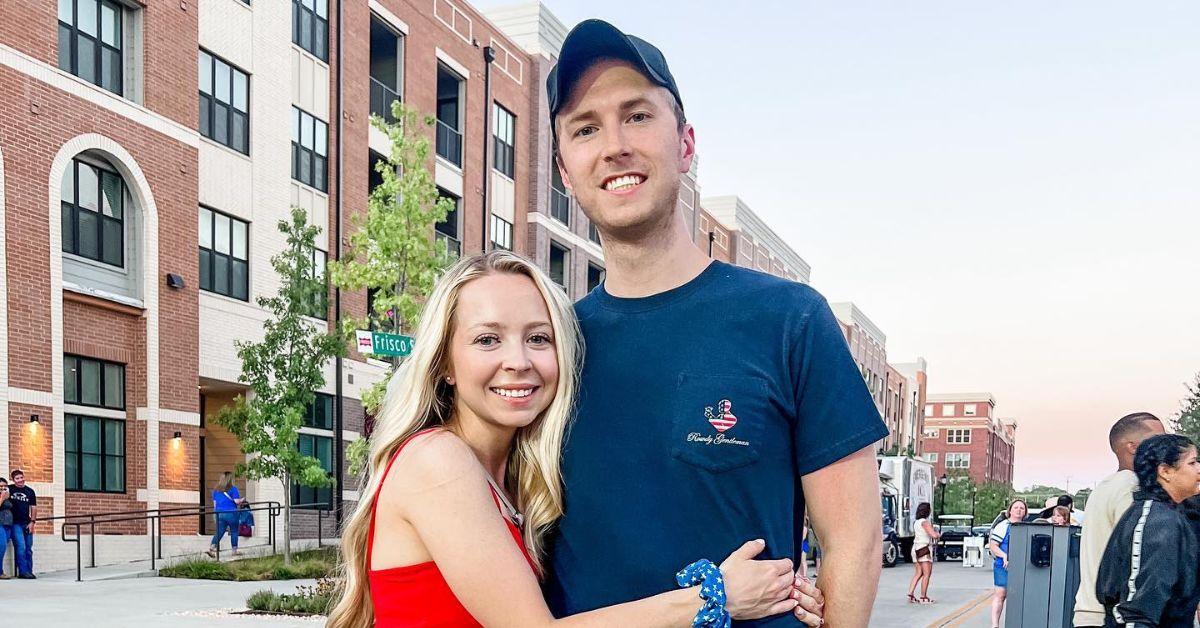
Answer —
379 343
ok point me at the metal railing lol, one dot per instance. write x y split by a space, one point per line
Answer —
449 143
154 518
382 98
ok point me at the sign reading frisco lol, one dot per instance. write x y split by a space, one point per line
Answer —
379 343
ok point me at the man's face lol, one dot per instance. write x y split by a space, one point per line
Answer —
621 150
19 480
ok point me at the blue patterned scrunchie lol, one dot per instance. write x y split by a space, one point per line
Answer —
712 590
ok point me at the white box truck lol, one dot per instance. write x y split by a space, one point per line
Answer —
912 482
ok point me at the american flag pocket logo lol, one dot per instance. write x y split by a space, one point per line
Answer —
722 418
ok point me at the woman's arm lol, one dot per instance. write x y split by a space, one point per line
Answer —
929 528
446 499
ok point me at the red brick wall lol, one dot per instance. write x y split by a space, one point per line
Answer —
29 443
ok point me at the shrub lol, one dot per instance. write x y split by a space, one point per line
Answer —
260 600
307 599
198 568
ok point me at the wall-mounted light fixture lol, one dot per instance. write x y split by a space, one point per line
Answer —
174 281
176 439
33 418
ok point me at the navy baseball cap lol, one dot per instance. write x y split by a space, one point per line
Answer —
592 40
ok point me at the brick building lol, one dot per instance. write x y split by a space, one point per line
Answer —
147 151
740 236
963 433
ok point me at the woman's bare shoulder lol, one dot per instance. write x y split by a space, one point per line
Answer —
433 459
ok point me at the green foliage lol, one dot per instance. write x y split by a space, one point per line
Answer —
357 454
283 370
308 564
198 569
1187 422
963 497
313 600
1081 498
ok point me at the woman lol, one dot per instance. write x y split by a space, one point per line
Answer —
226 500
1148 576
999 547
465 480
922 555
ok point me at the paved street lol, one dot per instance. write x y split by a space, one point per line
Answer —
961 595
135 602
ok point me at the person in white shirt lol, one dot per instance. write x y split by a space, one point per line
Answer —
1107 503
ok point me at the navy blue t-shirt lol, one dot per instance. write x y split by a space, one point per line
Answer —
700 409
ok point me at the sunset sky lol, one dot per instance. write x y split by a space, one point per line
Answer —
1011 190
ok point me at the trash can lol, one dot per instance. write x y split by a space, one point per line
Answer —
1043 575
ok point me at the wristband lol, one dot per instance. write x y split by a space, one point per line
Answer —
712 590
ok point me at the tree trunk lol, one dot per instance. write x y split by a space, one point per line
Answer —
287 519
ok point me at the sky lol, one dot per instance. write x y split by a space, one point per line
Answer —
1009 190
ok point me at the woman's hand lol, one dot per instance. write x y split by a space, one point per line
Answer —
757 588
811 610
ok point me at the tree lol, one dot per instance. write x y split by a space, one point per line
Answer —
1081 498
990 499
391 252
283 370
1188 420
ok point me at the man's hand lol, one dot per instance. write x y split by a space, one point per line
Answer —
811 610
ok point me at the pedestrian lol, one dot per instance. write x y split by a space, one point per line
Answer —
729 395
464 480
1062 501
1107 503
1061 516
6 519
24 513
1148 575
922 554
226 500
999 547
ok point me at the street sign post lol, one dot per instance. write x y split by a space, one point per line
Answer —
379 343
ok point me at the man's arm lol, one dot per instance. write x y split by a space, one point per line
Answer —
843 506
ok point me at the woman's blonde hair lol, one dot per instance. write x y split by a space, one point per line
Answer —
418 397
224 482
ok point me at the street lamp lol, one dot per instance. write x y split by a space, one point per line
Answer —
942 482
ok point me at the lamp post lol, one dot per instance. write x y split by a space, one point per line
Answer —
942 482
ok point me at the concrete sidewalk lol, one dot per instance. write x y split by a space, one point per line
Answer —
140 602
963 596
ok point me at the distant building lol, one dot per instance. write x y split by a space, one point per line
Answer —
912 423
963 433
740 237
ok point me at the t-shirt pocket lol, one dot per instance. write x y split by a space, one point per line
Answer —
718 420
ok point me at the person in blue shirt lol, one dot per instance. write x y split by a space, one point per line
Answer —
717 403
226 500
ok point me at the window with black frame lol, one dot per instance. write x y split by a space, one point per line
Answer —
321 448
224 254
93 213
90 41
320 305
94 454
504 141
319 413
224 103
310 146
95 383
310 26
502 233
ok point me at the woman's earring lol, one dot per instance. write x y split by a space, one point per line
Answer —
449 380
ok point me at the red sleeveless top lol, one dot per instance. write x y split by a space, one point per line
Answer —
417 595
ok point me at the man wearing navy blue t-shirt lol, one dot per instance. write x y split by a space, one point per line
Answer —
718 403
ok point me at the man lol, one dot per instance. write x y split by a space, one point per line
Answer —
1107 503
717 403
24 511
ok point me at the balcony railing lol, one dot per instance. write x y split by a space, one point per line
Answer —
453 246
382 97
560 206
449 143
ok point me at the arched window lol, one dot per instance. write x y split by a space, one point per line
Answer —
99 227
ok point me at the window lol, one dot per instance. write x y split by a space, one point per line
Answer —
224 255
931 457
447 230
387 68
321 448
929 410
449 127
558 264
88 382
504 141
90 35
560 203
593 233
958 460
95 454
595 276
958 436
310 144
947 409
502 233
969 409
932 433
319 413
320 306
310 26
224 103
93 213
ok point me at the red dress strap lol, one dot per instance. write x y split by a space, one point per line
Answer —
375 499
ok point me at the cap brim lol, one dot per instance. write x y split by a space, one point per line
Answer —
588 42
